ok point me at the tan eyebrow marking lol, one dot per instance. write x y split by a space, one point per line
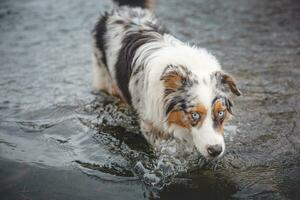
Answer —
217 107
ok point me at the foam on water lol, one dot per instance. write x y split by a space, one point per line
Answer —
172 158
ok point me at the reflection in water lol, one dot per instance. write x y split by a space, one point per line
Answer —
59 141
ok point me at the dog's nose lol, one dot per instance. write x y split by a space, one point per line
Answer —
214 150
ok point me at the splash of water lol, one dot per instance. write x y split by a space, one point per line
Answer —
117 128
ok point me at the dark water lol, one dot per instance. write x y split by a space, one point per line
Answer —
60 141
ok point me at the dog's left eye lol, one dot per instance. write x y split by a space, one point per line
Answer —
195 116
221 114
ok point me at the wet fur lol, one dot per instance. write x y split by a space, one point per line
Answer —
164 79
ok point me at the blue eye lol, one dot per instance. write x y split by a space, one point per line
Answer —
195 116
221 114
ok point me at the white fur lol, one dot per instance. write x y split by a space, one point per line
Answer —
202 64
148 95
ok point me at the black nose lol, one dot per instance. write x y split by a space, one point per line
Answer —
214 150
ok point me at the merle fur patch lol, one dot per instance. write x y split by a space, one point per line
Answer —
125 61
177 80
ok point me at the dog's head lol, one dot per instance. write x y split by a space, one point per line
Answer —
196 107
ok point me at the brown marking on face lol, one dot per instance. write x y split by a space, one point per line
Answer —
178 117
219 122
185 120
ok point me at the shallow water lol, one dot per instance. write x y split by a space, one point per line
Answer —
58 140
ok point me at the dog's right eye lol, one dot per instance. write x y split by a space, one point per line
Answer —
221 114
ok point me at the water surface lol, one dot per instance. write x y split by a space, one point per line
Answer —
58 140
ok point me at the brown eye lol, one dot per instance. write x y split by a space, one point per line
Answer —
195 116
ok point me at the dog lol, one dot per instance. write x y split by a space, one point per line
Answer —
178 91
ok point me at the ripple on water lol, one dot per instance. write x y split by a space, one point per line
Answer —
116 127
257 41
103 139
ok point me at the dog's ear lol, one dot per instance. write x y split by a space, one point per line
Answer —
174 77
223 80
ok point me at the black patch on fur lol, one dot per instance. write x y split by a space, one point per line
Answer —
138 69
119 22
175 102
124 65
100 31
132 3
168 91
188 82
229 105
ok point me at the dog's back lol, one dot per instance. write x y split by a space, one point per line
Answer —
117 36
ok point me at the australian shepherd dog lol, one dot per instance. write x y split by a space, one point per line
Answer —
179 91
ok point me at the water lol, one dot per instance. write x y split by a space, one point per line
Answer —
58 140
